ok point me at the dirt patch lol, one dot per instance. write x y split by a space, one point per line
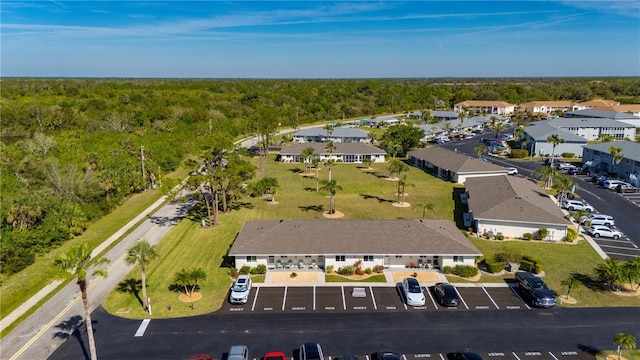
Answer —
401 205
628 290
335 215
302 277
194 297
567 299
422 276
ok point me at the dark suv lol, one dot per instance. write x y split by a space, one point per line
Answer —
535 290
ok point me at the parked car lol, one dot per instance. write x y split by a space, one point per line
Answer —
387 355
534 289
238 352
512 170
597 219
576 171
310 351
274 355
240 290
447 294
563 166
598 231
626 188
412 292
575 205
612 184
597 178
464 355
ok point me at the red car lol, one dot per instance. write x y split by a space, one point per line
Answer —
274 355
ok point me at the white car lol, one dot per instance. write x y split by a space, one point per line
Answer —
612 184
564 166
575 205
597 219
240 290
597 231
512 170
413 292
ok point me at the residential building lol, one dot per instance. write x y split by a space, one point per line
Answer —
597 103
452 166
380 122
548 107
459 125
337 134
610 113
512 206
485 107
536 136
597 157
392 243
440 115
344 152
591 128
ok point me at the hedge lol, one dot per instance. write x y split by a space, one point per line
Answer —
465 271
519 153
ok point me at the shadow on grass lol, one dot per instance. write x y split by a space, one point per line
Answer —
179 289
72 327
310 189
459 208
296 170
132 286
589 282
380 200
241 205
377 174
316 208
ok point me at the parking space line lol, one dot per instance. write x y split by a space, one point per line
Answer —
516 356
619 254
344 301
284 298
460 296
375 307
441 356
614 241
142 328
255 298
490 298
521 299
314 297
615 247
404 357
367 356
553 356
431 297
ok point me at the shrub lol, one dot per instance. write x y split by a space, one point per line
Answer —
526 265
519 153
447 269
378 269
253 271
541 234
537 268
572 234
260 269
293 274
500 237
495 263
329 269
233 272
465 271
347 270
358 267
245 270
527 236
568 155
368 271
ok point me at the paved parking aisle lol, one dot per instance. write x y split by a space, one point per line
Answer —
298 299
506 298
622 249
537 355
477 298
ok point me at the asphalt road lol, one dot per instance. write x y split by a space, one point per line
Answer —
558 330
625 213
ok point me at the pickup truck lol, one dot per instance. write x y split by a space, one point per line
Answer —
535 290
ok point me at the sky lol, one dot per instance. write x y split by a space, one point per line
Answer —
316 39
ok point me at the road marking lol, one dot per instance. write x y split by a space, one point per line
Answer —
592 194
490 298
284 298
516 356
617 247
344 302
375 307
441 357
550 353
314 297
521 299
619 254
142 328
432 300
460 296
255 298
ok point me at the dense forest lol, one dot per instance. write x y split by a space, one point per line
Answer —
72 149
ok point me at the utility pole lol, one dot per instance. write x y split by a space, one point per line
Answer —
210 126
142 156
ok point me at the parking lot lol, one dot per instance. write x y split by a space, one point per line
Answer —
339 298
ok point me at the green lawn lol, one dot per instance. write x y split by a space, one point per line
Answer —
365 194
338 278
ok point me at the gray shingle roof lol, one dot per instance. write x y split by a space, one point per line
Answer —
440 113
337 132
630 149
581 122
454 161
540 130
511 198
341 148
344 237
616 115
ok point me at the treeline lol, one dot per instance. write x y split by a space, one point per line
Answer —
72 148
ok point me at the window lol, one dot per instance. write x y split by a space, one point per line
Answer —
340 258
458 259
251 259
398 256
368 258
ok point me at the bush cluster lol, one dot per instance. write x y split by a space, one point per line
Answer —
568 155
519 153
447 269
527 236
531 264
259 270
378 269
465 271
572 234
347 270
541 234
494 265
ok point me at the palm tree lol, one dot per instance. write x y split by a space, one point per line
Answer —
571 283
479 150
306 154
562 184
330 164
76 262
547 173
189 279
610 272
329 129
631 272
142 253
331 187
554 140
616 156
372 136
402 184
498 128
394 149
315 162
425 207
624 341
